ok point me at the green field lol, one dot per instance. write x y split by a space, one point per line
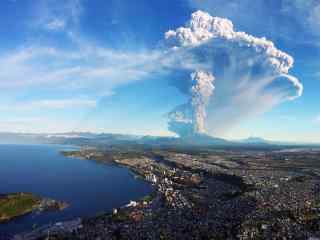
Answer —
17 204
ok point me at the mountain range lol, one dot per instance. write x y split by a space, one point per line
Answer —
87 138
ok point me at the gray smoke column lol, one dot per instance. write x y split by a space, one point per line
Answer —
201 91
189 119
234 75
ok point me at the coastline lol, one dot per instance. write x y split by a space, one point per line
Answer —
100 159
15 205
218 194
115 214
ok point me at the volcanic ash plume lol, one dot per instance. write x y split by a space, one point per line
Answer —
250 75
201 91
189 119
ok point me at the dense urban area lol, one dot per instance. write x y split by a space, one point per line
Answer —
207 194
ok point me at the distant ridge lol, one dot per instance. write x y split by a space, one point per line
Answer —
86 138
101 139
196 140
256 140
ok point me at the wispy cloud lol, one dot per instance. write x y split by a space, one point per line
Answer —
49 104
307 13
56 24
37 125
76 77
57 15
98 70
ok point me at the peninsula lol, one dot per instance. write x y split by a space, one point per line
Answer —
14 205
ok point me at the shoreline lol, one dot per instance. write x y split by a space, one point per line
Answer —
110 162
217 194
19 204
78 154
113 215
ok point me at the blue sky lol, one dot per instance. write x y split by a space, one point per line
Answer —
80 65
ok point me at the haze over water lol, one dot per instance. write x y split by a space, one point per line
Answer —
89 187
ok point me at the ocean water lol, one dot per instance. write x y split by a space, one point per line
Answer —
89 187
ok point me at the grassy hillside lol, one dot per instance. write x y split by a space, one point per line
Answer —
17 204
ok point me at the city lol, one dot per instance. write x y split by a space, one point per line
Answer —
214 194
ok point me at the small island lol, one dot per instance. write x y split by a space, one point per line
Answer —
14 205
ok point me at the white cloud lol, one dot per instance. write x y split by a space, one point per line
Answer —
64 103
56 24
49 104
98 70
37 125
